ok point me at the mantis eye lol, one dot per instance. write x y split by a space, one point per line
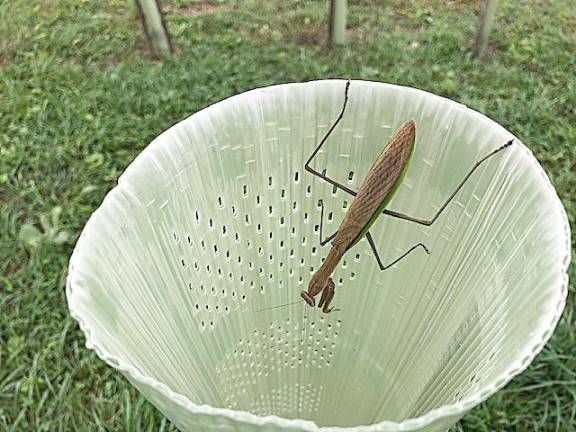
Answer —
308 298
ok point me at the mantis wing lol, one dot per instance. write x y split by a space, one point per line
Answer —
379 186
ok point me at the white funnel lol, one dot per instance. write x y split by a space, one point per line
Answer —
217 218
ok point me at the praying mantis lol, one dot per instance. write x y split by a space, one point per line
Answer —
369 202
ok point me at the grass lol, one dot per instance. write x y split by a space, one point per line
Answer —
80 99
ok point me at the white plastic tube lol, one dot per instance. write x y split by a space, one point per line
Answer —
217 218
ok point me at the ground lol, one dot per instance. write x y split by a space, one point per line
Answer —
79 99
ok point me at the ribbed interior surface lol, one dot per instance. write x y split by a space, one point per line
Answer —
218 219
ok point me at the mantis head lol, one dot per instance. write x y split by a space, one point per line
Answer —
308 298
317 284
328 290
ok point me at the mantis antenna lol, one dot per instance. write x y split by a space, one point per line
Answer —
279 306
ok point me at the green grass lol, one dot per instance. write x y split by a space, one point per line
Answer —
79 99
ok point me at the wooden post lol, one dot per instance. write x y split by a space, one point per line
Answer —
155 31
485 22
337 24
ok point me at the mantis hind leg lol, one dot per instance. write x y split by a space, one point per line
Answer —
322 175
385 267
429 222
